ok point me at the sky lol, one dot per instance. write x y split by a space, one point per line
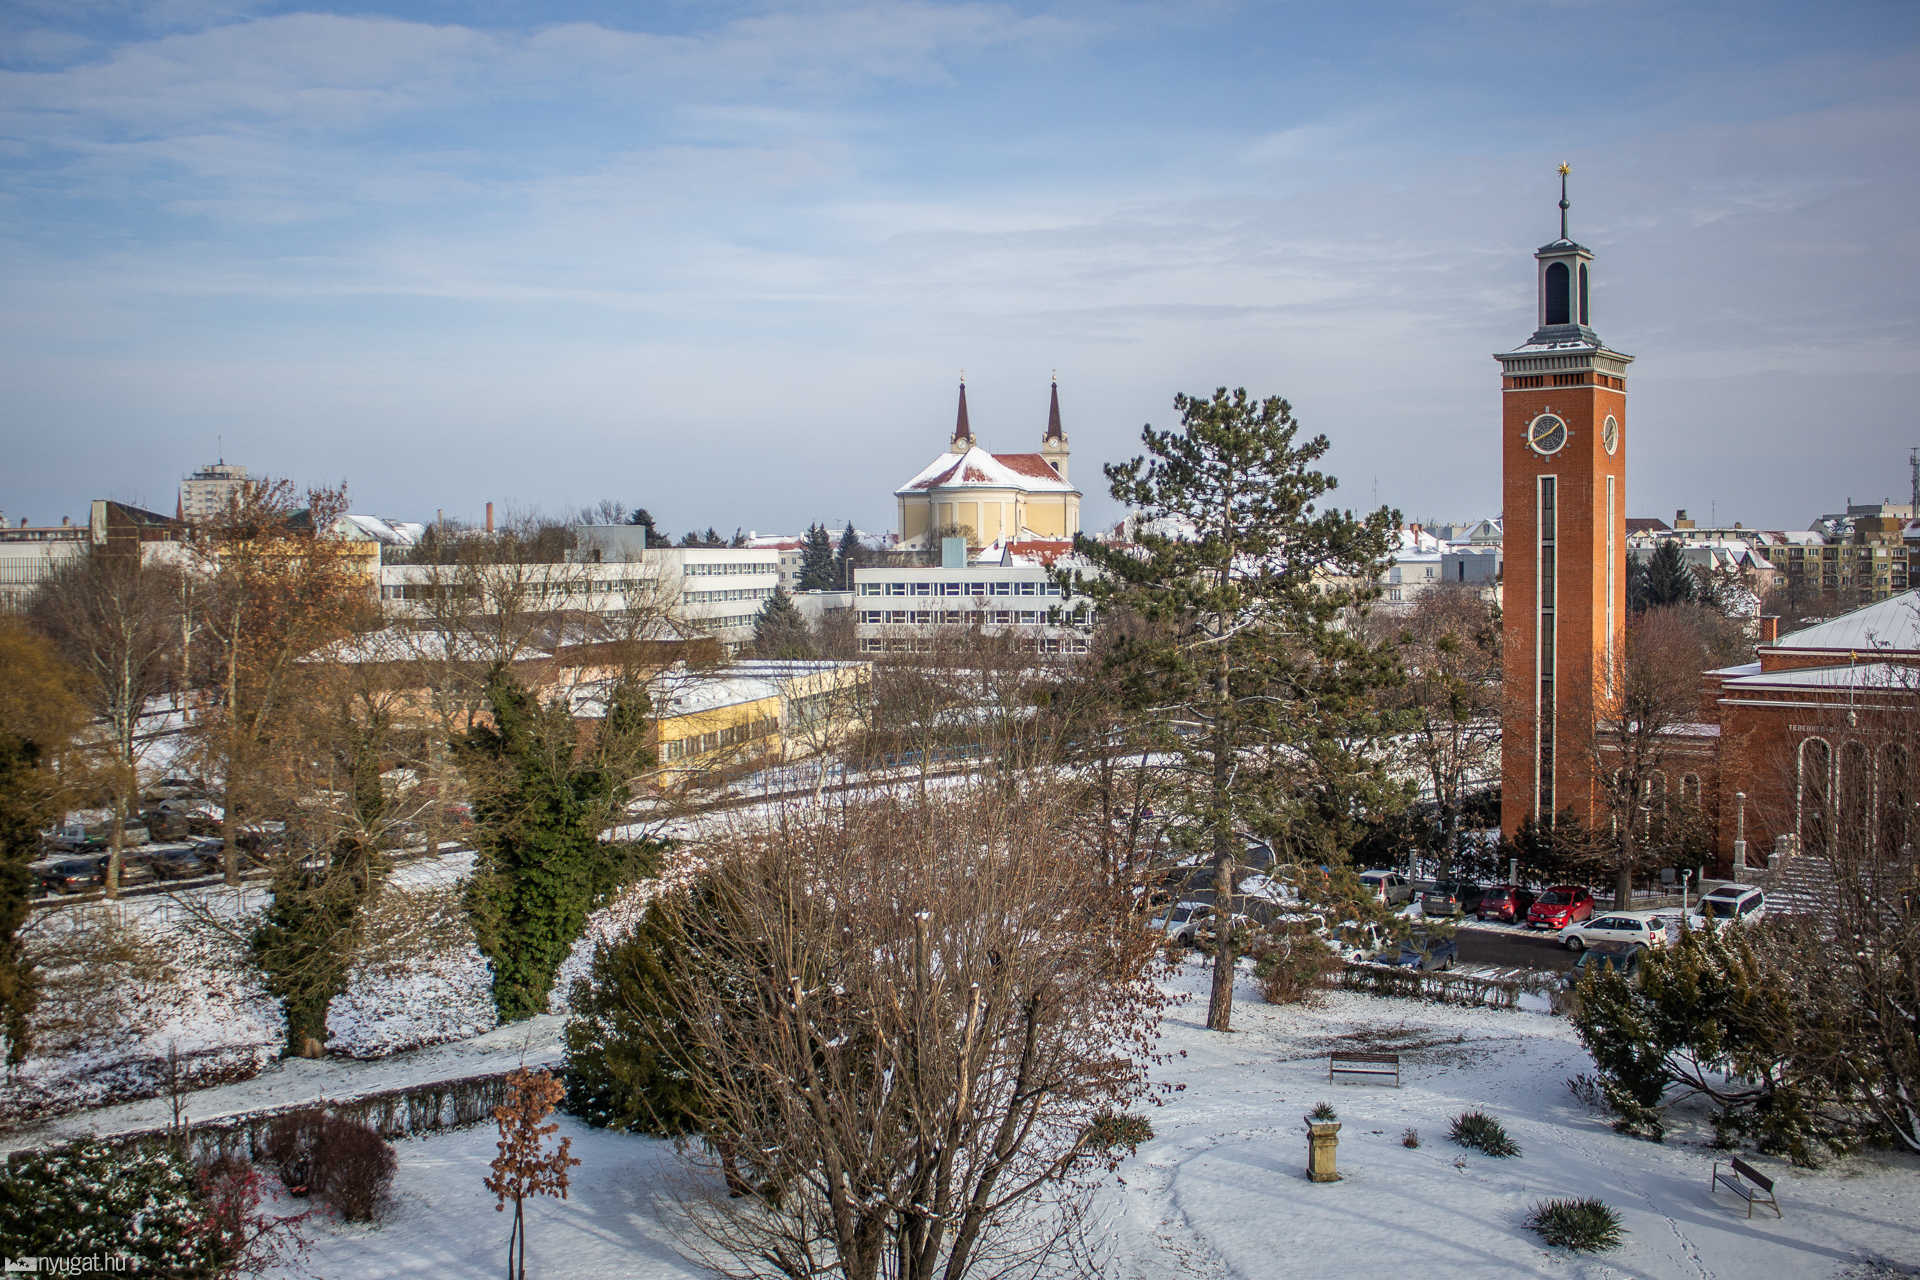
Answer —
728 261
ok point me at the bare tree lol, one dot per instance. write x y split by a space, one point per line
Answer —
1641 750
116 620
927 1016
277 593
1449 643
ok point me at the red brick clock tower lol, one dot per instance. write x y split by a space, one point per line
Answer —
1563 449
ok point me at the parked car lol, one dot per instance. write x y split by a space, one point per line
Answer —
1426 953
1733 902
1451 898
1180 920
69 837
1505 902
1560 906
174 787
1389 887
183 861
1621 957
1636 928
71 875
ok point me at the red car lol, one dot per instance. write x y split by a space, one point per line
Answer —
1505 902
1560 906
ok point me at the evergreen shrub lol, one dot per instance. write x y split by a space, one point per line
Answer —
1481 1132
1587 1225
142 1203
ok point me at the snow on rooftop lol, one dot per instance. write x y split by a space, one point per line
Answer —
1858 675
976 468
1891 625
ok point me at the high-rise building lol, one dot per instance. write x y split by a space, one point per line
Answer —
210 490
1563 451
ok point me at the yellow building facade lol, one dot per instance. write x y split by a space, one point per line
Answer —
992 498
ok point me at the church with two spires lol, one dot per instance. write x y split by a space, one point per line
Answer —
992 499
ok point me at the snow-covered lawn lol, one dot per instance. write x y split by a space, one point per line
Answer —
1221 1191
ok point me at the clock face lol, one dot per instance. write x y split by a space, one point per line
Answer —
1547 434
1610 435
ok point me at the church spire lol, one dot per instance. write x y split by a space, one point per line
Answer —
1053 445
962 430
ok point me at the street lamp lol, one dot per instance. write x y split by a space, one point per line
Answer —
1740 834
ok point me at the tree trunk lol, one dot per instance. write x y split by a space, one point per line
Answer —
116 842
1220 1001
229 849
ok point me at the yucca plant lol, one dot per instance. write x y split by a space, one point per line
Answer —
1586 1224
1481 1132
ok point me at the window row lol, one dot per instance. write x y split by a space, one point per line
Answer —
1047 645
732 736
709 569
959 588
733 593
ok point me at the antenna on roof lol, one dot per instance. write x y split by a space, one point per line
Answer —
1913 465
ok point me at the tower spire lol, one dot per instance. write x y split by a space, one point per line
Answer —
1053 411
1565 169
962 430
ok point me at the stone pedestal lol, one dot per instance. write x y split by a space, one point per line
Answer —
1323 1139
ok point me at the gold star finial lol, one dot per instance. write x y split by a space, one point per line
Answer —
1565 168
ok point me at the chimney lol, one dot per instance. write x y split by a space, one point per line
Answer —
1769 628
1680 520
489 517
440 517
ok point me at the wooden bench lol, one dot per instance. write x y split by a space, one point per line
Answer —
1364 1064
1746 1182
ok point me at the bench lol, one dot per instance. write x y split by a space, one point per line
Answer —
1364 1064
1746 1182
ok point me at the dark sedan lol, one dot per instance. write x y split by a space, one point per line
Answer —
1451 898
1426 954
71 875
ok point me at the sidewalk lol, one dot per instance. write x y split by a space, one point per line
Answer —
291 1081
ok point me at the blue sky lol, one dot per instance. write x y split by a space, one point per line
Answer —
726 262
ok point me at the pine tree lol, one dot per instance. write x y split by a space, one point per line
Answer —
780 631
816 560
539 808
1238 583
847 558
1666 579
655 538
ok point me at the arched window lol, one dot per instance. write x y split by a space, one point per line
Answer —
1559 281
1854 800
1895 794
1814 807
1583 294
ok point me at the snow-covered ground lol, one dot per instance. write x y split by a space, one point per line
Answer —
1221 1191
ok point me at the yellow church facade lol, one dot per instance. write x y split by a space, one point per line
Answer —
992 498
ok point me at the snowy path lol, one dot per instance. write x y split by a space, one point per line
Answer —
289 1081
1219 1193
